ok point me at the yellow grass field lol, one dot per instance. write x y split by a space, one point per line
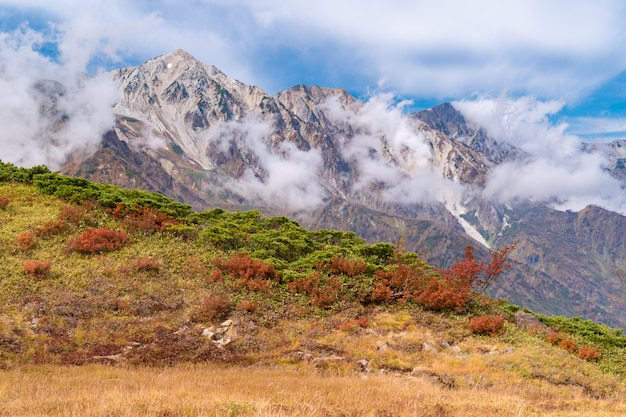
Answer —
209 390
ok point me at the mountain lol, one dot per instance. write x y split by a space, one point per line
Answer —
329 160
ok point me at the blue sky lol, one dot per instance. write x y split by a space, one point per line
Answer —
567 51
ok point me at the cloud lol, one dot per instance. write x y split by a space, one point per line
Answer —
388 151
450 48
282 174
558 171
47 109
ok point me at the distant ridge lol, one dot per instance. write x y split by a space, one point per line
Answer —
329 160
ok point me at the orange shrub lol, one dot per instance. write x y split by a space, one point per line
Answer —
323 294
554 338
249 306
212 308
568 344
25 240
405 283
51 228
350 325
147 264
37 268
4 202
381 293
75 214
487 325
343 266
143 219
244 267
588 353
98 240
438 296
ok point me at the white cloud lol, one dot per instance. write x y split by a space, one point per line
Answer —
449 48
557 171
289 176
387 150
47 110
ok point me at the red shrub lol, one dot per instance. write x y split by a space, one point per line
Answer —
343 266
37 268
588 353
350 325
25 240
256 285
51 228
212 308
143 219
405 283
487 325
147 264
381 293
308 285
249 306
568 344
328 294
450 289
438 296
245 269
554 338
75 214
216 276
98 240
322 293
4 202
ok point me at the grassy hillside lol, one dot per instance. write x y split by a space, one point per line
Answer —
92 274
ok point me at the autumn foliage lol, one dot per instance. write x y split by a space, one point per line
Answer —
588 353
51 228
253 274
98 240
443 289
212 308
37 268
343 266
487 325
25 240
143 219
564 341
147 264
323 291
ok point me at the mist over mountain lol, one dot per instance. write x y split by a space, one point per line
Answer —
487 173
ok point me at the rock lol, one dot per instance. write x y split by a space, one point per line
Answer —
429 347
529 322
382 345
222 335
363 365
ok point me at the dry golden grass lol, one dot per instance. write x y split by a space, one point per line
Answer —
307 360
235 391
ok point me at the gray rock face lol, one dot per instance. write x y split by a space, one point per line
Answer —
528 321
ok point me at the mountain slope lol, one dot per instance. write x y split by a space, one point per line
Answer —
331 161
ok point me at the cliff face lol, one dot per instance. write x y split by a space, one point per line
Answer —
321 156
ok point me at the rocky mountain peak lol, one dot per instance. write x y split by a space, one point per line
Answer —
331 161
